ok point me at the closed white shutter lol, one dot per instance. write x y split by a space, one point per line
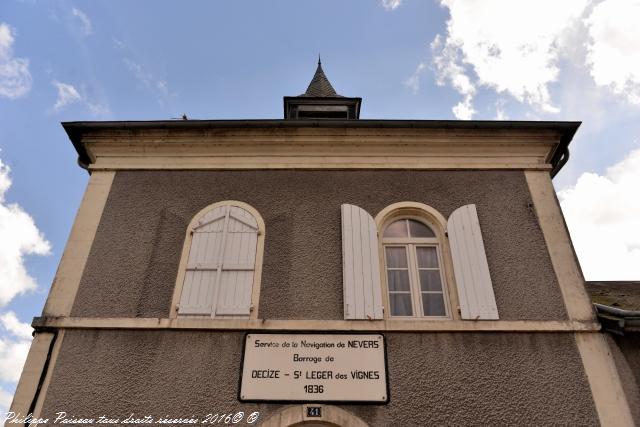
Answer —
202 266
475 290
360 265
219 274
238 264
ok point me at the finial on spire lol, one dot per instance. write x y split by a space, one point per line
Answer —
319 62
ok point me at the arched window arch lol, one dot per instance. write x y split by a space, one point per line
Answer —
415 262
220 269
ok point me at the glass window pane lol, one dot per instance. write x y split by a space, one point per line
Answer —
398 280
430 280
433 305
396 257
396 229
400 304
427 257
418 229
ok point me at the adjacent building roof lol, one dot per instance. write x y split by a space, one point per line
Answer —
617 304
624 295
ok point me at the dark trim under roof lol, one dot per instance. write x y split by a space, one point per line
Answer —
567 129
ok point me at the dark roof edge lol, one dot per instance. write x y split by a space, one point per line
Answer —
617 311
568 128
618 321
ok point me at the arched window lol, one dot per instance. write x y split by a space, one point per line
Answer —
413 267
417 278
220 271
402 263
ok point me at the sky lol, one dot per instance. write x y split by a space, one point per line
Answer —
408 59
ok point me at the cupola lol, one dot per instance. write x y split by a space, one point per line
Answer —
321 102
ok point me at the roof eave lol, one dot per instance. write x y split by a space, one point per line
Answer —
567 129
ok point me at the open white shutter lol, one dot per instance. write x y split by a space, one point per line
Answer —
360 265
238 264
198 291
475 290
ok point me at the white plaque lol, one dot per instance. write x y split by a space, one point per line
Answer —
314 367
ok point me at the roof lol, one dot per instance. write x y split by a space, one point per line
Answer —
617 305
624 295
567 130
320 87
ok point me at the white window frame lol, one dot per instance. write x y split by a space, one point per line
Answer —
184 258
438 224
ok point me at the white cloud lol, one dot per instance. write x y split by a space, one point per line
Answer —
11 323
13 350
413 82
157 86
98 109
85 22
15 78
67 94
5 401
20 237
15 340
613 53
501 114
603 216
391 4
448 70
510 47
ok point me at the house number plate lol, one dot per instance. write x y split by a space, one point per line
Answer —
314 367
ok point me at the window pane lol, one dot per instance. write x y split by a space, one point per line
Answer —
433 305
396 229
430 280
396 257
427 257
400 304
398 280
418 229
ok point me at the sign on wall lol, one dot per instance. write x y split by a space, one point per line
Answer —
314 367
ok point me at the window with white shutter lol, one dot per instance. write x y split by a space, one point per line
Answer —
220 277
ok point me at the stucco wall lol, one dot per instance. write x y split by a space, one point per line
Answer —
435 379
132 267
626 354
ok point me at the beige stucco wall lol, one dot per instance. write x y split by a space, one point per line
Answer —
132 266
626 354
435 378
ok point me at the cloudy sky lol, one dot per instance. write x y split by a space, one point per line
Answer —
407 59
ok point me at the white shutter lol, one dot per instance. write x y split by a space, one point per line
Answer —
219 274
238 264
202 266
475 290
360 265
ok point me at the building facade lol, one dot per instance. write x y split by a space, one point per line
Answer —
198 240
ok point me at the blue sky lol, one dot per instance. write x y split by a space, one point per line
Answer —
147 60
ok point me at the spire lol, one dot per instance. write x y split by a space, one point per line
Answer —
321 102
320 86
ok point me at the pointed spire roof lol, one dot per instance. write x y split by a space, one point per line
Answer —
321 102
320 86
